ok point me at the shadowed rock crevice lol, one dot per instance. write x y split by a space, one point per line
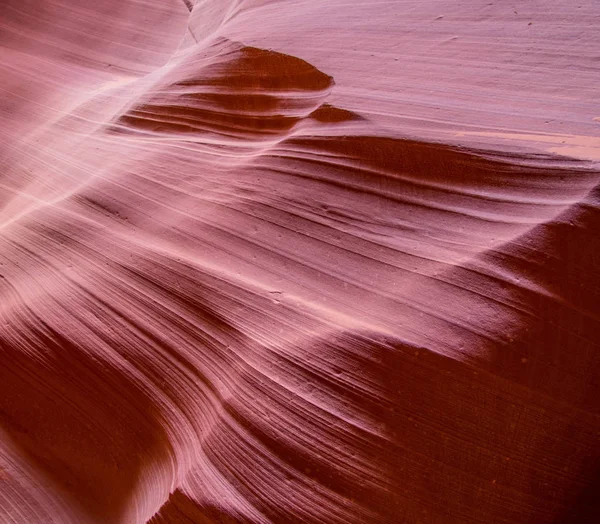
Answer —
180 509
189 4
85 425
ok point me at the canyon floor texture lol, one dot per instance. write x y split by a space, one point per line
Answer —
299 261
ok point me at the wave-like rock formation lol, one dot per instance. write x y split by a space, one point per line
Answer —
269 261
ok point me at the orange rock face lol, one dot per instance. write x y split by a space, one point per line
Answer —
269 261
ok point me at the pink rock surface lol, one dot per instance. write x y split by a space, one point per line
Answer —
299 261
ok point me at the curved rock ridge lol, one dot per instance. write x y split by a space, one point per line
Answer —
231 90
272 262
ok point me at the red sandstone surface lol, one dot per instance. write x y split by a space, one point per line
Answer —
267 261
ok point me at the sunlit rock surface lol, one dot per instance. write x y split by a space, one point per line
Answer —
268 261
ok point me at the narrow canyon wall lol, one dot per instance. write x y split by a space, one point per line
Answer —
268 261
